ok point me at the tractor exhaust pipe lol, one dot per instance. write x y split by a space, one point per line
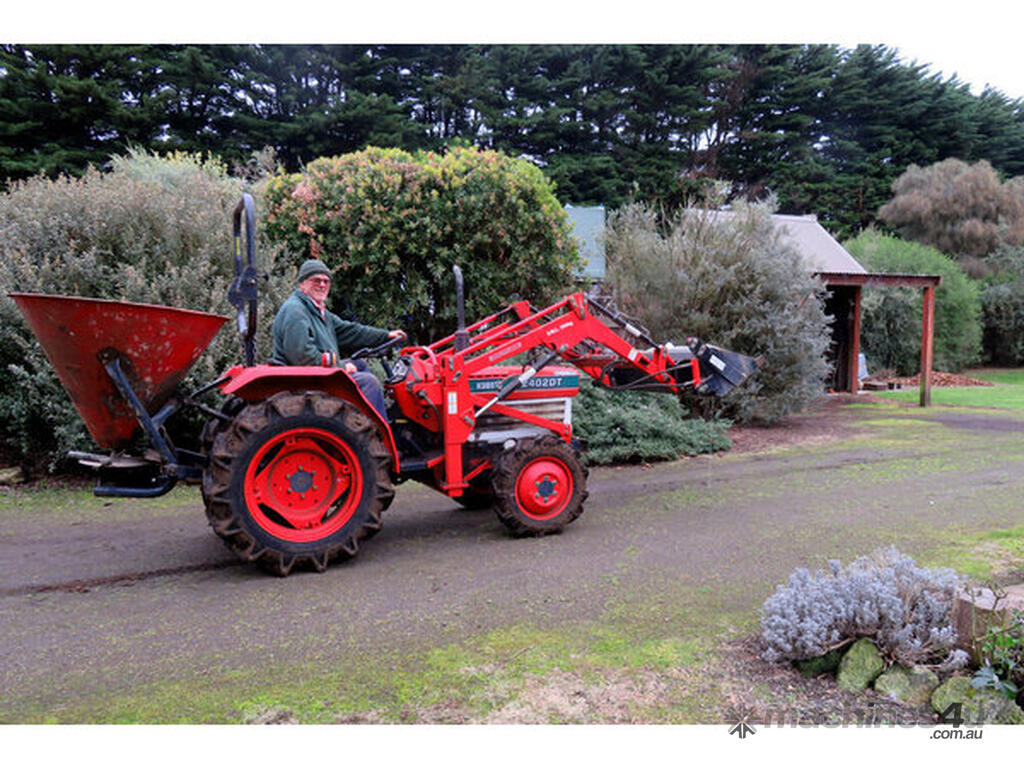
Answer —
461 336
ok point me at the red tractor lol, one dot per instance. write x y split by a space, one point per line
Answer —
296 466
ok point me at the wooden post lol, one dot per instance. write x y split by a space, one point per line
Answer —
927 332
855 341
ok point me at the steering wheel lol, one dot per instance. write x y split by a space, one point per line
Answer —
381 353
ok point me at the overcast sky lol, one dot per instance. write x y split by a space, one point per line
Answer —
978 40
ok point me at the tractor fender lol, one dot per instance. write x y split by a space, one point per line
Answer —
258 382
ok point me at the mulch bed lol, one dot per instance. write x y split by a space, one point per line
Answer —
940 379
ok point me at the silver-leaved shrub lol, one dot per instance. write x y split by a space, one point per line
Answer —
729 278
151 229
903 608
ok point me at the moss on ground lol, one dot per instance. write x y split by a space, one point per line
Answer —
78 504
985 556
655 647
467 681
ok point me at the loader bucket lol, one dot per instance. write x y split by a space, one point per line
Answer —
722 370
156 346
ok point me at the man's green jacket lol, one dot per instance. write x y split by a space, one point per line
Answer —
302 335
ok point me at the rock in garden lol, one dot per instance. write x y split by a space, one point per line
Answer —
859 666
11 476
820 664
909 685
977 707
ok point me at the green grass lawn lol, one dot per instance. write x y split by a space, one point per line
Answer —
981 556
1008 391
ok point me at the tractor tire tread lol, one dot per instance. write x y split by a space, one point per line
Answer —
505 475
229 442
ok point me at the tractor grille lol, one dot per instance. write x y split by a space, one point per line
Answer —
497 427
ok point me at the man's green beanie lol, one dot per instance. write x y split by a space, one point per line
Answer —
312 267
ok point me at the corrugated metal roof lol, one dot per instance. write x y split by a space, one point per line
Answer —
820 251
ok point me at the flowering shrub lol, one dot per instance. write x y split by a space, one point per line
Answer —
391 224
904 609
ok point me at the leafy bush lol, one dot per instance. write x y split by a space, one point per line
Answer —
1002 648
891 315
1002 307
391 224
904 609
621 427
960 209
153 230
729 279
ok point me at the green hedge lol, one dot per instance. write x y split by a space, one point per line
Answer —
1002 304
157 230
391 224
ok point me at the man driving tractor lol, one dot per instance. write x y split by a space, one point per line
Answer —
307 333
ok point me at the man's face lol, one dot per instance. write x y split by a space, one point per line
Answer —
316 287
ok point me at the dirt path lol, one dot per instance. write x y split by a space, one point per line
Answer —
97 602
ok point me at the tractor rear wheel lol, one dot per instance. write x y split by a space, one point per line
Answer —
297 480
212 427
539 486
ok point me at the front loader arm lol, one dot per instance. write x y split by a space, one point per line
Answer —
577 329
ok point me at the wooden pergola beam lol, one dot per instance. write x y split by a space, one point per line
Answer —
879 278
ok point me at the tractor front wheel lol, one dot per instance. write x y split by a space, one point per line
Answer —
299 479
539 486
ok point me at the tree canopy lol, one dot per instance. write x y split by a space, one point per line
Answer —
963 210
826 130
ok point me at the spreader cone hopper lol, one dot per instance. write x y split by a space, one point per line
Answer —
155 345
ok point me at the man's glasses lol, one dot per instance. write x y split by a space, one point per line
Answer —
320 280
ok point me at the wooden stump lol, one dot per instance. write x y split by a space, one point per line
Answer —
974 612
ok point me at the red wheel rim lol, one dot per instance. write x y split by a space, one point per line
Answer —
543 488
303 484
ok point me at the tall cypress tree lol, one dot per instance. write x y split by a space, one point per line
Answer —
313 101
777 120
827 130
881 116
197 96
68 106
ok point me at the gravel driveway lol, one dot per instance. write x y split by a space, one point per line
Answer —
120 601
